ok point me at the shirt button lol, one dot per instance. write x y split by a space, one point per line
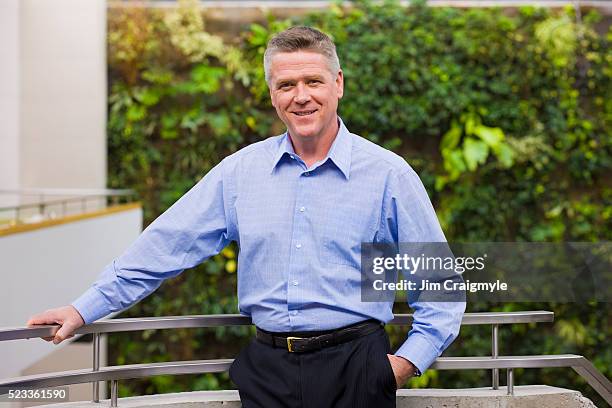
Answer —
302 209
295 283
298 246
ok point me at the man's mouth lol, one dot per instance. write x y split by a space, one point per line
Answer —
304 113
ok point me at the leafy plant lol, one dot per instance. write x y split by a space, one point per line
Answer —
506 116
468 144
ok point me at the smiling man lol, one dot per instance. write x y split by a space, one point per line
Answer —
305 94
299 205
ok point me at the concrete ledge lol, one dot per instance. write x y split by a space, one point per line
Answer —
525 396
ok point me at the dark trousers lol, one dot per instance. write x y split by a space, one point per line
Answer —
355 374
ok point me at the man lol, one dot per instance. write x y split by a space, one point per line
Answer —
299 205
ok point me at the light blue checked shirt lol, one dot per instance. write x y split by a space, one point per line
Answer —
299 230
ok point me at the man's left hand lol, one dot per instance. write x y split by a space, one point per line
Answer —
402 369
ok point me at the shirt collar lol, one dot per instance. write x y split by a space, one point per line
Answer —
339 152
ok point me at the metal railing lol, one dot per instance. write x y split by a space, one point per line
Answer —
495 362
43 204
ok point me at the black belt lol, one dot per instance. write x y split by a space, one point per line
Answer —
295 344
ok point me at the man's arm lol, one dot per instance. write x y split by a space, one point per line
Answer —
408 216
193 229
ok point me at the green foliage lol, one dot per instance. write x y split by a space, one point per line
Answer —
466 155
506 117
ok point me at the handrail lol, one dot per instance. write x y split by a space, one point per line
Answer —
114 373
198 321
64 191
73 193
495 362
62 201
118 373
71 199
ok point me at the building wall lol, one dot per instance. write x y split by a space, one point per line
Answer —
9 97
50 267
63 93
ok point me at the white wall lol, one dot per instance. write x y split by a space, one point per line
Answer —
9 97
50 267
63 93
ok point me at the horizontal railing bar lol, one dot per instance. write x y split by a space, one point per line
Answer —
198 321
209 366
167 322
481 318
118 373
221 365
61 201
67 191
472 363
580 364
16 333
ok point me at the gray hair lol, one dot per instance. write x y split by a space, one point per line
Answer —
301 38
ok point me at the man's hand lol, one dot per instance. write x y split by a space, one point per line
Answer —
67 317
402 368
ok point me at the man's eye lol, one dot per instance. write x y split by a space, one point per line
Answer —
314 81
285 87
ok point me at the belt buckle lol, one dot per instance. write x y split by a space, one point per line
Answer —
289 345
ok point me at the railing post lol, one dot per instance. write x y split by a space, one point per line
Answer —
96 366
114 392
510 381
495 354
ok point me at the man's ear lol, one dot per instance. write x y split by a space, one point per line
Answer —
271 96
340 84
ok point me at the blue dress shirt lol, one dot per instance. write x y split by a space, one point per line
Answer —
299 230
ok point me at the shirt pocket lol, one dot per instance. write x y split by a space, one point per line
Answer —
347 227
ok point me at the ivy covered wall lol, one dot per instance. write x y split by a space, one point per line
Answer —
505 114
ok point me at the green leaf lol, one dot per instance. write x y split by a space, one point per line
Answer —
169 133
148 96
505 155
169 122
136 113
491 136
453 163
475 152
259 35
450 140
471 121
440 182
207 78
158 76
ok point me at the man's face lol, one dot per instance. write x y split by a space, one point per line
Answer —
305 93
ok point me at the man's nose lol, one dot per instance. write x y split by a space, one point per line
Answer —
302 94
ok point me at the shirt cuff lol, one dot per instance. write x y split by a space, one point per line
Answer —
91 305
419 351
